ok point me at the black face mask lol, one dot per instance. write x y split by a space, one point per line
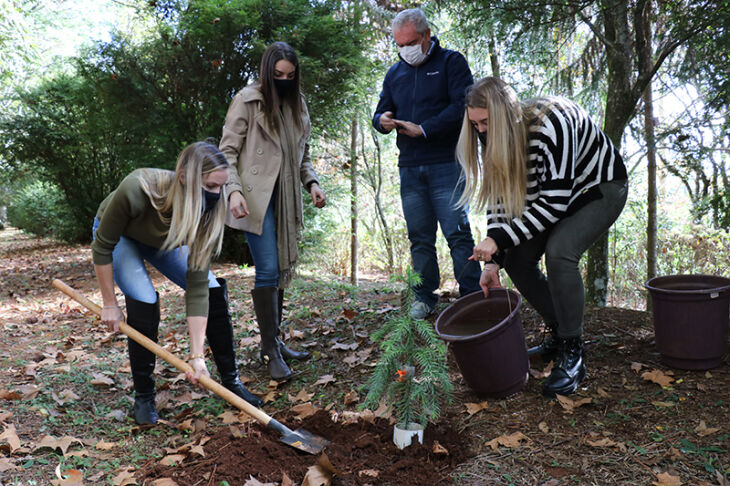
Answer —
210 199
283 87
482 136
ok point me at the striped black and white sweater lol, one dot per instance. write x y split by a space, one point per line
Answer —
568 156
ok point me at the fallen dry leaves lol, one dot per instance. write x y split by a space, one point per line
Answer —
10 435
71 477
439 449
511 441
102 445
544 373
164 482
63 443
569 404
302 396
472 408
703 431
324 380
608 443
252 481
658 377
304 410
666 479
124 477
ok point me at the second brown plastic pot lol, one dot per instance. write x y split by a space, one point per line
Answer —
486 337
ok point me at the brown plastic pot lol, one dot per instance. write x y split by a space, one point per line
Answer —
485 335
691 314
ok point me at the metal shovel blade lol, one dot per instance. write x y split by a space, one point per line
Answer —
305 441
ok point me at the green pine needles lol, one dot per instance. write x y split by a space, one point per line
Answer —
412 373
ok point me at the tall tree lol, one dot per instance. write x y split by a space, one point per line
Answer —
645 50
616 34
142 101
353 202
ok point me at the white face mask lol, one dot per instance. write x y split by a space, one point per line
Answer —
413 55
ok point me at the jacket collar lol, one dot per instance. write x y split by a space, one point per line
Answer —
253 94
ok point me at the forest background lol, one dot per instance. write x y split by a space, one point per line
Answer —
91 90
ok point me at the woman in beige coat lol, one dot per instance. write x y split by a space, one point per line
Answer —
265 140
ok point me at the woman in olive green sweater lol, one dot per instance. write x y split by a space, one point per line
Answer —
174 221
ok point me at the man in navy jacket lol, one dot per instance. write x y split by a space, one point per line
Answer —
423 99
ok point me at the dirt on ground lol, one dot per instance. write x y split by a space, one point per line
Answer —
65 398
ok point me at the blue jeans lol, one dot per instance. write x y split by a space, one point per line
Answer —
264 252
429 194
559 298
131 276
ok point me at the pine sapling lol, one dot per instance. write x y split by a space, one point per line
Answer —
412 373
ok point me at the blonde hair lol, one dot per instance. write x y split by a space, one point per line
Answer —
499 177
180 204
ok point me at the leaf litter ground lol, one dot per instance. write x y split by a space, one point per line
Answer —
65 395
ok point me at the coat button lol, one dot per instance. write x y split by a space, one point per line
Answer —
259 151
249 188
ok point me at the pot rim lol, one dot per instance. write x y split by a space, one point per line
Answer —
650 284
409 427
486 332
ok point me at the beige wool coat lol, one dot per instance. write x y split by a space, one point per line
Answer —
254 152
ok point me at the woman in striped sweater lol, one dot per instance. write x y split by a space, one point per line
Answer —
552 183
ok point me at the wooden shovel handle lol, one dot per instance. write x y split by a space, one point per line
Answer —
181 365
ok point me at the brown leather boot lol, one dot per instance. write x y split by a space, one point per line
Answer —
286 352
266 306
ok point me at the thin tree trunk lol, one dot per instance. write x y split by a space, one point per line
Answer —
651 203
376 182
493 57
353 202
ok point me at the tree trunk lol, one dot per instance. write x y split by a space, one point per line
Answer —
651 203
376 182
493 57
622 97
353 202
619 107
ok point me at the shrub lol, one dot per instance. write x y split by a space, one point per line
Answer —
40 208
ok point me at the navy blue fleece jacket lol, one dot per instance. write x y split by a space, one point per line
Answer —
430 95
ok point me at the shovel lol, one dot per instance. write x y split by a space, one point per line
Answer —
299 439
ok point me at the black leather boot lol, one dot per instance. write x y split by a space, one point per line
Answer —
267 314
219 332
145 318
286 352
569 369
548 348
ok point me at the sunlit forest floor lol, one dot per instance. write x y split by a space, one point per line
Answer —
65 396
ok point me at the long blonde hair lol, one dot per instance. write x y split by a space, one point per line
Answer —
499 177
180 204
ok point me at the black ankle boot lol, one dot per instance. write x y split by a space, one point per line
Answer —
548 348
267 314
219 332
286 352
569 369
144 409
145 318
